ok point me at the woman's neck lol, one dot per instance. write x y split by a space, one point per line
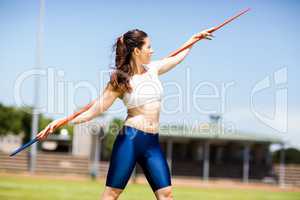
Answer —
137 67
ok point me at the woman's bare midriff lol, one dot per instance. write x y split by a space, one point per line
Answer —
144 117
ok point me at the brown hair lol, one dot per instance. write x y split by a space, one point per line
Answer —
124 47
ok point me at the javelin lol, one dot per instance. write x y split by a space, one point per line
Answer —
85 108
210 31
59 124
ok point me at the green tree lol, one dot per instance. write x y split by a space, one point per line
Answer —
292 156
10 120
18 120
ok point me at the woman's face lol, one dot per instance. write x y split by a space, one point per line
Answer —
146 51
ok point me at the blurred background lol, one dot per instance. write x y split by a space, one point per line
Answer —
230 111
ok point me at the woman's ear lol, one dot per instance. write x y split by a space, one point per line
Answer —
136 51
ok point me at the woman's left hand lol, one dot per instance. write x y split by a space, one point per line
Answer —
203 34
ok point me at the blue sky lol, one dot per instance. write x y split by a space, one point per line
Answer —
78 36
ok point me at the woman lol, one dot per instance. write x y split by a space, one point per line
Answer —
136 82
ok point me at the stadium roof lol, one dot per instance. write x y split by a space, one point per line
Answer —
207 131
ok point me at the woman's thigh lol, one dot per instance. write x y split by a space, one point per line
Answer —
122 162
155 167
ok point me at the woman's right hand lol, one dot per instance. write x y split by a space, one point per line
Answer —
44 133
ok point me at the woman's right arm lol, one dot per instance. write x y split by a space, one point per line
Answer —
101 105
108 96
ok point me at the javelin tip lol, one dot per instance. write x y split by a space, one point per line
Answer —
247 9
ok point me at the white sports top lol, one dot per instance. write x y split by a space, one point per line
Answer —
146 87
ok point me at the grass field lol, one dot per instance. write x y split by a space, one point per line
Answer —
15 187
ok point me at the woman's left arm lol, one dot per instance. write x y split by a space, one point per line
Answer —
170 62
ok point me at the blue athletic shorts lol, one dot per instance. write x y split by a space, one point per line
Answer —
136 146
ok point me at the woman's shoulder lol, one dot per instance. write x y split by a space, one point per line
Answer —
111 88
154 65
